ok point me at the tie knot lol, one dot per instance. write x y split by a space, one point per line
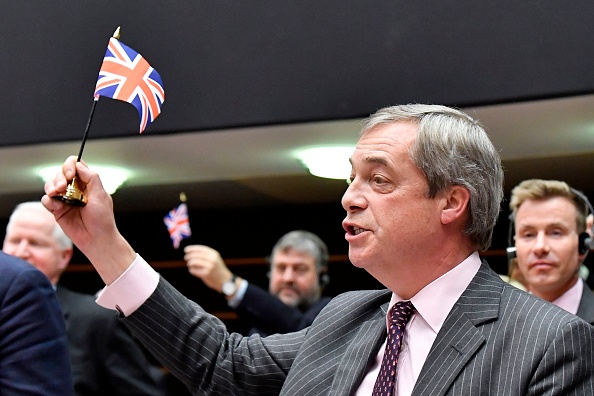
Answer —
401 312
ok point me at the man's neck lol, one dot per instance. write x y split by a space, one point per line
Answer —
552 295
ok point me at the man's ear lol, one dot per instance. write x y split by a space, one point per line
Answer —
65 258
455 202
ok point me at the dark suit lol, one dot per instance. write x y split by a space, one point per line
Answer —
267 314
33 345
586 307
497 340
105 358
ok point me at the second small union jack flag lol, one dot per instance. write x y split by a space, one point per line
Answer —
178 224
125 75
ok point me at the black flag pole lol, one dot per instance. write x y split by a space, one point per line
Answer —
84 139
74 195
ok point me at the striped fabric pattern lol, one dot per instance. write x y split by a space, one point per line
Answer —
497 340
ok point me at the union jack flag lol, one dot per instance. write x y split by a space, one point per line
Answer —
178 224
126 75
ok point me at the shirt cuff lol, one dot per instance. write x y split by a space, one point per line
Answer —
238 297
131 289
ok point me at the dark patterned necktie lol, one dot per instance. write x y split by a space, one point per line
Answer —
399 316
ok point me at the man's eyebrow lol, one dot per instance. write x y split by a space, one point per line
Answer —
373 160
376 159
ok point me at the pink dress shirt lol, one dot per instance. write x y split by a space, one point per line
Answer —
423 327
570 300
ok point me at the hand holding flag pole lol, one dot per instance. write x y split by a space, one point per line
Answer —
124 75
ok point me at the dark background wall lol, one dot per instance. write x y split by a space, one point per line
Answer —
239 63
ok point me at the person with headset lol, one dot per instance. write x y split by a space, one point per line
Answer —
549 227
298 274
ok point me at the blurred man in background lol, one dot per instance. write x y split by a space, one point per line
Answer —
298 274
105 359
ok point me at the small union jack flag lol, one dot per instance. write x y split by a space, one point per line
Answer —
125 75
178 224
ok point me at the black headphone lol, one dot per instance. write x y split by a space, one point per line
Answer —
585 241
323 278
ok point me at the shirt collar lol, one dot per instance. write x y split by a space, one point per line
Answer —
446 289
570 300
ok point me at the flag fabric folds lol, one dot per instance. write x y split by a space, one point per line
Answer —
125 75
178 224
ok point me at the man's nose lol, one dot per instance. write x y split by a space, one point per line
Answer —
541 244
288 274
353 198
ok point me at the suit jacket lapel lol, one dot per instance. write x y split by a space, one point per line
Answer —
586 307
360 354
459 337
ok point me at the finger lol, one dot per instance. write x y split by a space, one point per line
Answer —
69 167
84 173
193 248
52 205
50 188
195 264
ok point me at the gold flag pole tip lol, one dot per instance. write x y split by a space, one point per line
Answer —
73 196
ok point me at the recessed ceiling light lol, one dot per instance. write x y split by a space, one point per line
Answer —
327 161
111 177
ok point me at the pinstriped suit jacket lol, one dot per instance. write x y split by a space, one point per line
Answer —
497 340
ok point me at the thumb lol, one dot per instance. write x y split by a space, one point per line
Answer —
87 176
84 173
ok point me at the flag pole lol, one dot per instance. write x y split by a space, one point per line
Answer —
84 140
115 35
74 195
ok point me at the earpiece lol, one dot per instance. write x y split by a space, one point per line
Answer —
323 279
586 243
511 248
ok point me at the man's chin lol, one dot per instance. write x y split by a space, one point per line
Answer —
290 300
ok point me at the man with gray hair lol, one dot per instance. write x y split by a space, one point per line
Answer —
425 191
104 357
298 274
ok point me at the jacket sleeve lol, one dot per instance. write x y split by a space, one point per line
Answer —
198 350
34 356
566 367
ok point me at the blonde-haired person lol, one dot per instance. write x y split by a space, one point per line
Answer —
551 239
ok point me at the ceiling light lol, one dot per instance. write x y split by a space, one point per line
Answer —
331 161
111 177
